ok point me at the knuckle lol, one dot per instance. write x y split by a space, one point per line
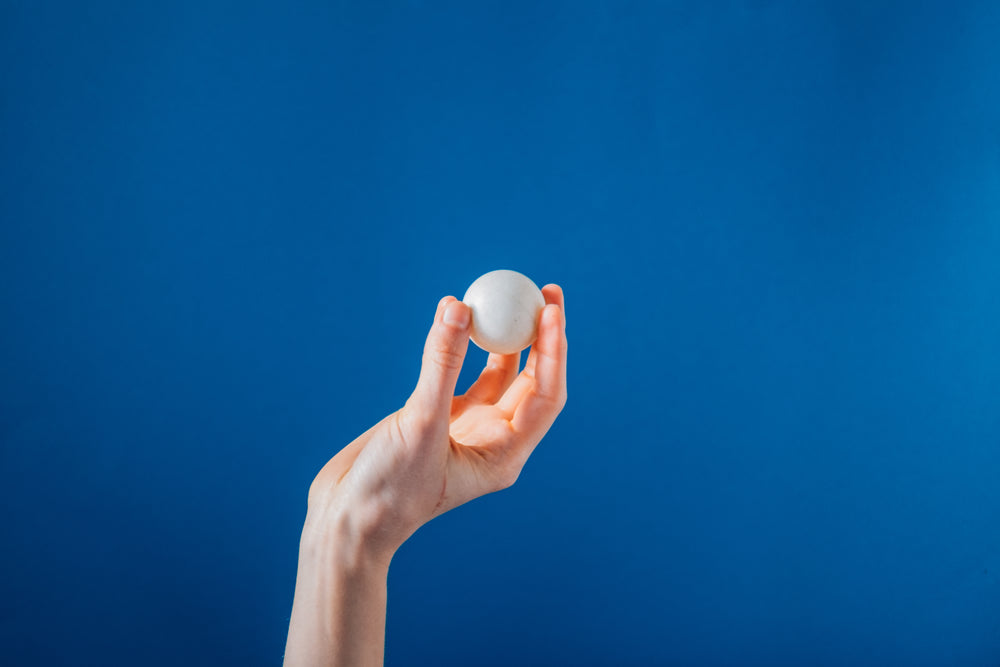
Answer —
318 493
417 425
411 423
447 357
313 496
554 399
508 475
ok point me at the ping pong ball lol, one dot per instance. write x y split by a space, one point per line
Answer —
506 306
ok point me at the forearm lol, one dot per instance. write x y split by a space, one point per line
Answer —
338 615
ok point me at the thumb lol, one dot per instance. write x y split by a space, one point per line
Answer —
444 353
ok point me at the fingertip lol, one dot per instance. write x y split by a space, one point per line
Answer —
553 293
456 314
443 303
497 360
551 317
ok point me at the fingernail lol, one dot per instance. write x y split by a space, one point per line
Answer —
457 313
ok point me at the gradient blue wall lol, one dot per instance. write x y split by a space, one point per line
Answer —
224 228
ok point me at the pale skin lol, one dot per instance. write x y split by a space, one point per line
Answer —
435 453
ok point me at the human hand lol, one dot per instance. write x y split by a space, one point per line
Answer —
440 450
435 453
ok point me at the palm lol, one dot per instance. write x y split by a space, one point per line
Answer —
480 434
480 426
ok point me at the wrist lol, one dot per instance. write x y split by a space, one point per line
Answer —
345 542
338 616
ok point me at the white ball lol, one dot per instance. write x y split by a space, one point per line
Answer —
506 306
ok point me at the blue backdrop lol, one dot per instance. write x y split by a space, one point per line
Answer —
224 228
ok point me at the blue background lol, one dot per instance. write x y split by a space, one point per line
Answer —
225 228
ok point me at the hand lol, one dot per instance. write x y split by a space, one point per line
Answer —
440 450
435 453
